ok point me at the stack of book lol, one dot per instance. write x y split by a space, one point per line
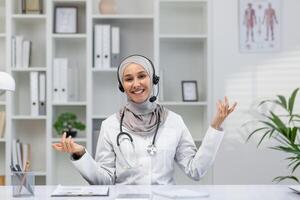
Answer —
106 46
20 51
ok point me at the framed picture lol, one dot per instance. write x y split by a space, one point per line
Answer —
189 90
259 25
66 19
32 6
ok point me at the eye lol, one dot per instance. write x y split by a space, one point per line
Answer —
142 76
128 79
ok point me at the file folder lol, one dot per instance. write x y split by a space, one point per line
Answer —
115 46
42 94
63 91
34 93
56 79
98 46
106 47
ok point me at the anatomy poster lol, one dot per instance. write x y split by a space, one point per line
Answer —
259 25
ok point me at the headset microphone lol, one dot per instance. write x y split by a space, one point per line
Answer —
153 98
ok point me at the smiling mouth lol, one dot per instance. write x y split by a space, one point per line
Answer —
138 91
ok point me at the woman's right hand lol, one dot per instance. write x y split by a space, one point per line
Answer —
68 145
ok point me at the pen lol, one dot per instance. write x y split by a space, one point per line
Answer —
27 165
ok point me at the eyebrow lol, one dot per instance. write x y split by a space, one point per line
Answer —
140 72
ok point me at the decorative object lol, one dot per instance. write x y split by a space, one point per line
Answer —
279 122
66 19
32 6
107 7
259 23
189 90
6 82
67 122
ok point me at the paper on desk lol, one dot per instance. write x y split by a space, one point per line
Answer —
295 188
80 191
180 193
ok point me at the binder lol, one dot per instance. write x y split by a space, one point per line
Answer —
115 46
2 124
13 52
98 62
19 44
73 83
56 79
106 47
60 80
26 53
42 93
63 89
34 93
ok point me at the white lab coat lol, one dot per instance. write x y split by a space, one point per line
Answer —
173 141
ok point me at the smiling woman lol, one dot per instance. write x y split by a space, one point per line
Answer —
140 143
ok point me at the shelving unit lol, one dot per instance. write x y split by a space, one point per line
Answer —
173 33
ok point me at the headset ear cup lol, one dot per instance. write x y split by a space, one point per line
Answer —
155 79
121 88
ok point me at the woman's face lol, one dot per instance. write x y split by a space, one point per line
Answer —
136 83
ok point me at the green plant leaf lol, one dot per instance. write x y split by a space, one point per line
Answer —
262 138
292 100
281 178
282 101
255 131
296 166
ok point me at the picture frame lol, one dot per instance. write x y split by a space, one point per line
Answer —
32 6
66 19
189 90
259 26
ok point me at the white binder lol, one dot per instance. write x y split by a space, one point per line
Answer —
19 44
13 52
42 93
63 90
34 93
106 47
26 53
115 46
98 46
56 80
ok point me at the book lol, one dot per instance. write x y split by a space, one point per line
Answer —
2 124
92 190
2 180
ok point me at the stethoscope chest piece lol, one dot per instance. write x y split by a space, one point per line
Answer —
151 149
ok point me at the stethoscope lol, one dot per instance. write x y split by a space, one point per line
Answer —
151 148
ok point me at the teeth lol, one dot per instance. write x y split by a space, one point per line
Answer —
138 91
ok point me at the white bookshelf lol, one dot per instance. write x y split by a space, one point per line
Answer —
175 34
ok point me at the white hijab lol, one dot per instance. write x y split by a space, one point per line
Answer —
141 118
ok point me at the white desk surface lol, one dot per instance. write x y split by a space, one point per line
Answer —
216 192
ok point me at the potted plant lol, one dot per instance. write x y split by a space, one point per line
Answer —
67 122
281 125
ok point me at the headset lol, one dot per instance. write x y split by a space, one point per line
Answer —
155 78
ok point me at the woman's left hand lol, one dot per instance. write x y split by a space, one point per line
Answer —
223 111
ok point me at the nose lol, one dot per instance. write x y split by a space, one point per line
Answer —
136 83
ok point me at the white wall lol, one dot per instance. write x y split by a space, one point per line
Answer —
246 78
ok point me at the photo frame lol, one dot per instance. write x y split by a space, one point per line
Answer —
189 91
66 19
259 26
32 6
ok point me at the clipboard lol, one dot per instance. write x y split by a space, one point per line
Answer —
75 191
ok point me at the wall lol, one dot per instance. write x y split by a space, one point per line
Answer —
247 78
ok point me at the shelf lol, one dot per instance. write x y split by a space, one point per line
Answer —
39 173
180 103
69 36
183 1
105 70
28 16
99 116
123 16
2 103
2 140
185 36
69 104
2 35
28 117
75 139
30 69
69 1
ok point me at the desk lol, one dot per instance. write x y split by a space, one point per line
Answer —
217 192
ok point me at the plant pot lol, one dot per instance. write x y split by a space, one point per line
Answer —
72 133
107 7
